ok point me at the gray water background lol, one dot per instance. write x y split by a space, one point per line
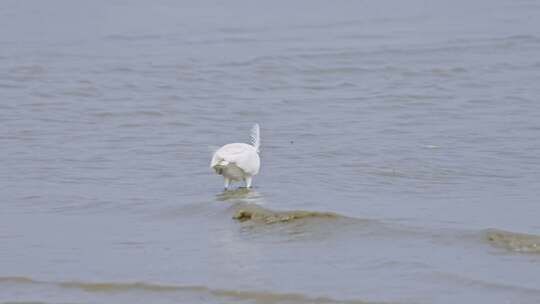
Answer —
417 120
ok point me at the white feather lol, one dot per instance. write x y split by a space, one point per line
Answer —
238 161
256 137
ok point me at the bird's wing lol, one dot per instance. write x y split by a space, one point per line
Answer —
242 155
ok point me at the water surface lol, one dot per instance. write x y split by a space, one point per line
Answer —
400 157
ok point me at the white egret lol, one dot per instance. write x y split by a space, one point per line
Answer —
238 161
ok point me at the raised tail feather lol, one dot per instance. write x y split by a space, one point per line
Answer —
256 137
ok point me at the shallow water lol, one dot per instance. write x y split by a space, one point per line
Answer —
400 157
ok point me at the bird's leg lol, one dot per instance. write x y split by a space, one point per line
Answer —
248 181
226 183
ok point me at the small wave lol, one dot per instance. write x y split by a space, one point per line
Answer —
120 37
10 86
20 280
28 70
247 207
82 92
25 302
482 283
256 213
143 113
229 294
513 241
25 73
